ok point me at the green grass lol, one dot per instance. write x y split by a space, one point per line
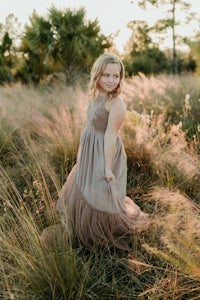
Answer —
39 136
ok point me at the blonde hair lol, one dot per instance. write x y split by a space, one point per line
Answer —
97 70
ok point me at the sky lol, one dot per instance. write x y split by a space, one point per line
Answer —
112 15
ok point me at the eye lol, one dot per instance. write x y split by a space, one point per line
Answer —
105 75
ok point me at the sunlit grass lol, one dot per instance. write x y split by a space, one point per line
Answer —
170 94
179 235
39 137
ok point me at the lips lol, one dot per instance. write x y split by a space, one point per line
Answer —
110 86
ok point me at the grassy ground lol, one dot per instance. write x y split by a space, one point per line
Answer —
39 136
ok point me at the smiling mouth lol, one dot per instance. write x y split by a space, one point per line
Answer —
110 86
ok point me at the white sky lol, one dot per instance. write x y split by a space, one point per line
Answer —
112 15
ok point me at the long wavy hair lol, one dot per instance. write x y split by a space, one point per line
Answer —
97 70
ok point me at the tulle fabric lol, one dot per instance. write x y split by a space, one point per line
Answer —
94 226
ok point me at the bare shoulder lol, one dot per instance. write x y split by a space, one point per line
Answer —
118 108
117 113
120 102
117 104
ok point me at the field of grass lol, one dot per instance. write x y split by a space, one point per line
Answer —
39 136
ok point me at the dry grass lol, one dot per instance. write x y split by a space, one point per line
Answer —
180 226
160 156
39 136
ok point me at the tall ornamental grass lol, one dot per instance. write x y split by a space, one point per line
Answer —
39 136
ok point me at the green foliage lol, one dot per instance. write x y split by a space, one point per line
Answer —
170 22
5 74
150 61
9 35
78 42
140 38
6 59
186 63
64 41
195 51
144 56
35 45
6 43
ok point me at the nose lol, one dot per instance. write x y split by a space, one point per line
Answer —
111 79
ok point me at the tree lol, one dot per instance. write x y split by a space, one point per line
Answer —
140 38
5 47
171 20
142 54
9 35
36 45
195 50
64 41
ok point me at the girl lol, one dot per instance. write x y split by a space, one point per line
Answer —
93 199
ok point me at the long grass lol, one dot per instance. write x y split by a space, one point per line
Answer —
39 137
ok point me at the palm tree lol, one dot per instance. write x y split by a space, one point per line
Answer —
65 42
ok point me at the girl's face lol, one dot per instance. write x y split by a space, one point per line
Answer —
109 79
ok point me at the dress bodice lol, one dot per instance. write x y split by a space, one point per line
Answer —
97 115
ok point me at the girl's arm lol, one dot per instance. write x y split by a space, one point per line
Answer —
116 116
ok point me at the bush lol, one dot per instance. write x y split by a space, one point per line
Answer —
150 61
5 75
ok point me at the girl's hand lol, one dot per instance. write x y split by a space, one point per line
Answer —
109 176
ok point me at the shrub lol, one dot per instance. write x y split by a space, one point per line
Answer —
5 75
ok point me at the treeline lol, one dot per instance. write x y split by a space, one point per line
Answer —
65 42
